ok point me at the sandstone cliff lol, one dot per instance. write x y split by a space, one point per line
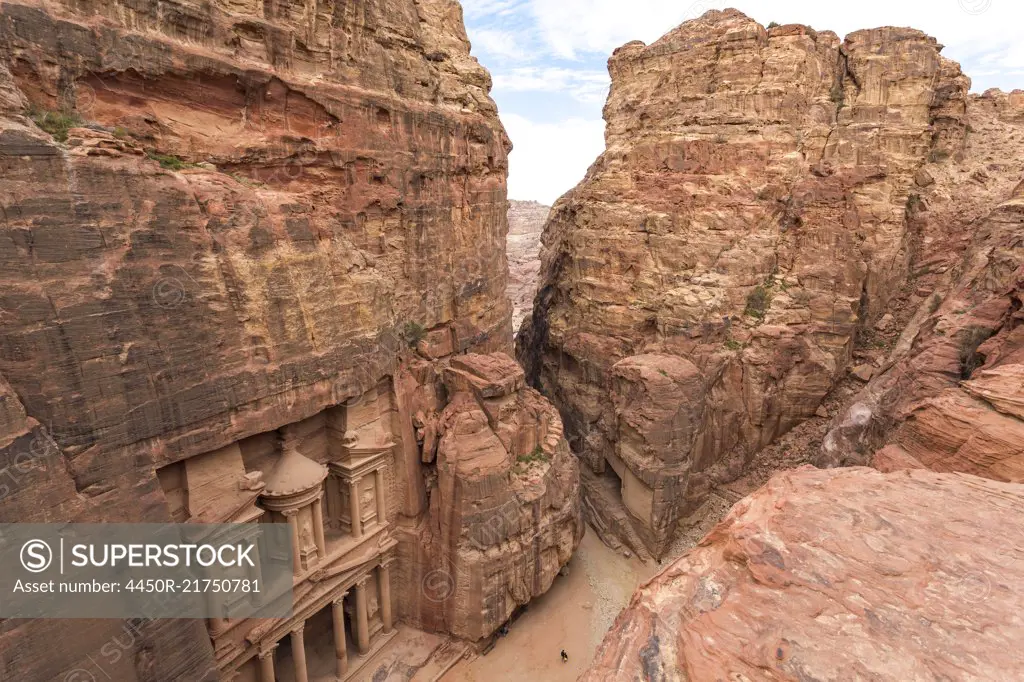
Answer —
847 574
525 225
504 513
225 218
948 396
756 213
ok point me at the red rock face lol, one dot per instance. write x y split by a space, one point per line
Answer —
525 225
504 513
760 205
949 396
248 204
846 574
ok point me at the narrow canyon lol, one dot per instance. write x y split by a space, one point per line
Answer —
763 365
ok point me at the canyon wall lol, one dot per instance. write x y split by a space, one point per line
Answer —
504 514
843 574
234 222
525 226
762 204
949 395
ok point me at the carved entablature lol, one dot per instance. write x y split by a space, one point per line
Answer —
356 494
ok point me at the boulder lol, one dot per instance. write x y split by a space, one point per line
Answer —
843 574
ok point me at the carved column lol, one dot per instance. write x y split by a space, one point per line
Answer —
354 510
384 587
318 526
334 513
293 523
362 617
340 646
266 657
217 627
299 653
378 489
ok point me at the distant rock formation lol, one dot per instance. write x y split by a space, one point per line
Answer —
525 226
235 230
843 574
766 198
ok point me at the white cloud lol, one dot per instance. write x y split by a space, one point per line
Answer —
503 44
571 27
539 50
475 9
549 159
586 86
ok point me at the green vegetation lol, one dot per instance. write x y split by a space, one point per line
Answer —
413 332
774 24
56 123
169 161
914 204
733 344
721 139
663 373
838 95
970 359
537 456
759 301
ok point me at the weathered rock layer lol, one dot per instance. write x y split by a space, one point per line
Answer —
504 512
949 395
756 210
525 226
224 218
844 574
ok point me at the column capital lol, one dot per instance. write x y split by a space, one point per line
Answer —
386 561
299 629
288 513
361 582
340 599
267 650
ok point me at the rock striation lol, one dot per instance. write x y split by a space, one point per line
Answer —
525 225
230 224
504 514
758 209
843 574
949 395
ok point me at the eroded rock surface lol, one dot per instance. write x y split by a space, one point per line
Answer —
756 211
843 574
226 218
949 394
525 225
504 511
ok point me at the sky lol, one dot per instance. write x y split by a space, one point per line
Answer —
548 59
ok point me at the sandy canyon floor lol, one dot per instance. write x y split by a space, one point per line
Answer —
573 615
